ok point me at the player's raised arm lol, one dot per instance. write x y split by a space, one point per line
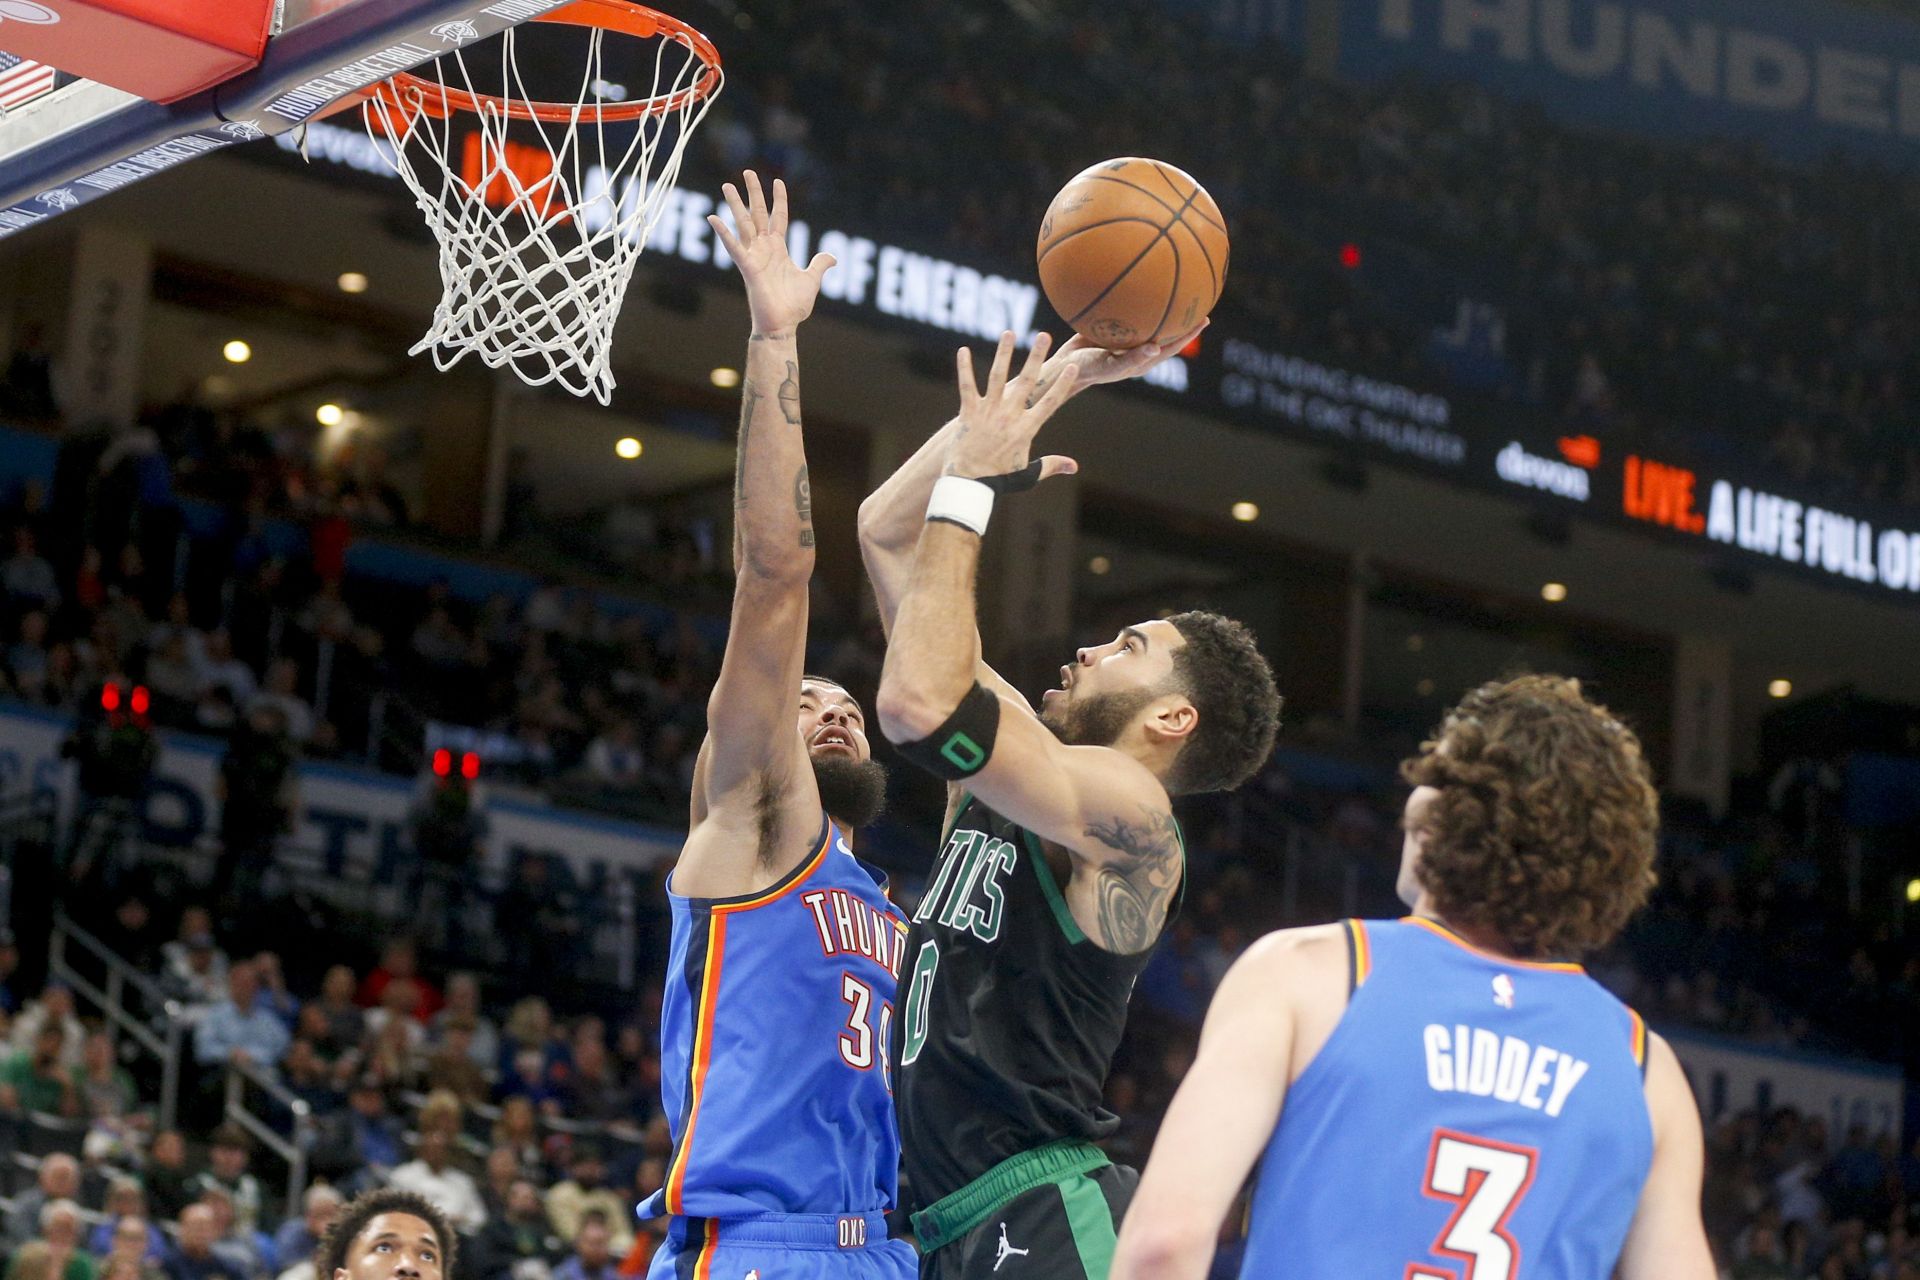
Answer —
1097 803
891 517
1668 1240
751 740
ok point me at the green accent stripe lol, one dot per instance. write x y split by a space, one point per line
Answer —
1064 917
966 798
1091 1222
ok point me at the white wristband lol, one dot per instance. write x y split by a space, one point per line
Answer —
964 502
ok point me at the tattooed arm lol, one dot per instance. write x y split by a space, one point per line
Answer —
1127 877
752 788
1105 808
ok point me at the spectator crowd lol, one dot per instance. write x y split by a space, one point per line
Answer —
536 1134
1699 295
1705 296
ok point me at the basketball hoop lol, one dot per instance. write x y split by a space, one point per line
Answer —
542 213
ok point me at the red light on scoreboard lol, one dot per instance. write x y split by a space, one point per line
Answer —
1581 451
1661 494
442 763
470 766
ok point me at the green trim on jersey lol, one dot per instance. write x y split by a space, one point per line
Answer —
1055 900
1091 1221
1058 904
966 798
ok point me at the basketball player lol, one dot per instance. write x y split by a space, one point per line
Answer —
1461 1099
1063 860
388 1235
785 949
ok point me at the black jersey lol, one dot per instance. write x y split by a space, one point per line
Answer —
1010 1015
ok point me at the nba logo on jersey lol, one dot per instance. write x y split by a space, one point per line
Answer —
1503 990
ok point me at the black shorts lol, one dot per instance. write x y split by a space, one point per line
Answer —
1060 1230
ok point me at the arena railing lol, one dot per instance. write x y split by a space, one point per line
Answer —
476 1136
166 1044
293 1150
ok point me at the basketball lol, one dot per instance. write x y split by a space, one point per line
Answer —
1132 251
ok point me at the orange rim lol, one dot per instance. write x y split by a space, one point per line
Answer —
410 93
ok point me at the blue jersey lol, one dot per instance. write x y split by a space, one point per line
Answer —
773 1036
1470 1118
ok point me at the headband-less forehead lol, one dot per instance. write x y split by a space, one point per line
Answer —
832 684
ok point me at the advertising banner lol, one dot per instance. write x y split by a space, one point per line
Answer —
1872 551
352 821
1804 79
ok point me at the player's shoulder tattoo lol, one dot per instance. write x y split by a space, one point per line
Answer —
1133 890
1150 834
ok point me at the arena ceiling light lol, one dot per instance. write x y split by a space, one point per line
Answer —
237 352
329 415
1553 592
1245 512
352 282
627 447
1099 566
1780 689
725 377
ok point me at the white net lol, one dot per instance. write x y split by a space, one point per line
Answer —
539 222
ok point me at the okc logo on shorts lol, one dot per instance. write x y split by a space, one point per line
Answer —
245 130
59 197
457 32
1503 990
27 11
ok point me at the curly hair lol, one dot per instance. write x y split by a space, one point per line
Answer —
1543 831
337 1244
1231 686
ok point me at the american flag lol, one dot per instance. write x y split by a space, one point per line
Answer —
22 79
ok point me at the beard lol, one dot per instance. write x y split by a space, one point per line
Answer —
1096 720
854 792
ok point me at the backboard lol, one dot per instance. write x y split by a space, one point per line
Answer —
82 140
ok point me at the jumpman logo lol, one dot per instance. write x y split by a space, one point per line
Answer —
1006 1250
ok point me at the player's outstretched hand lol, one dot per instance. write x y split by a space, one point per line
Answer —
997 426
780 294
1098 365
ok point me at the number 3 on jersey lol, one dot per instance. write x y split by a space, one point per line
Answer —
1486 1180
